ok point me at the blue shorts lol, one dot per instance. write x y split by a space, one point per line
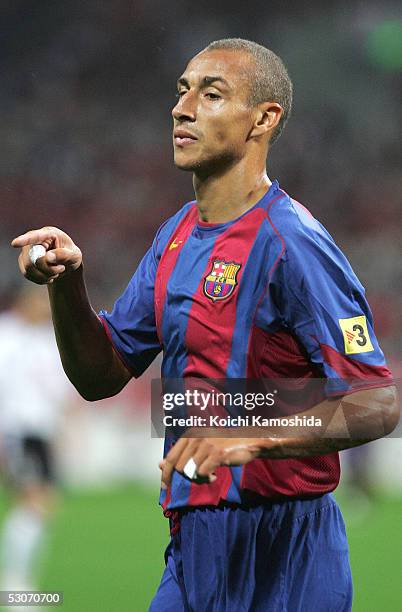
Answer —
289 556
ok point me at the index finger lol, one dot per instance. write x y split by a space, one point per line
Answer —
45 235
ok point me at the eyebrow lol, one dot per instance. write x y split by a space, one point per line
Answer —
207 80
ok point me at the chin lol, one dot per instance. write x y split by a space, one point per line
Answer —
204 166
186 164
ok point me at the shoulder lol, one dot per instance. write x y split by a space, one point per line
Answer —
307 246
9 321
294 222
299 230
12 332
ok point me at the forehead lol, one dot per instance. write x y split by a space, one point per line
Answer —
232 65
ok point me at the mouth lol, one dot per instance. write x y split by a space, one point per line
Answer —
183 138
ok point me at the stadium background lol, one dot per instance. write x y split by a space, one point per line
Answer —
85 103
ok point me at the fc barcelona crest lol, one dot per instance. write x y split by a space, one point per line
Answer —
221 280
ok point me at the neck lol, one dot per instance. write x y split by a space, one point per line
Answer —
224 197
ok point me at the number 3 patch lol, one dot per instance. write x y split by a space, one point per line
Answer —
355 335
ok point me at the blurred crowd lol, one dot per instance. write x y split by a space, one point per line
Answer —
85 102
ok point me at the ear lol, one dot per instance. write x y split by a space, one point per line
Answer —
267 117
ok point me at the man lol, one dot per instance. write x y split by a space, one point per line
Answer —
243 282
31 408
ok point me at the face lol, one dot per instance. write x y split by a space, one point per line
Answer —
212 118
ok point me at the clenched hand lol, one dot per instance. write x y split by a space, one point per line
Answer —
62 255
207 454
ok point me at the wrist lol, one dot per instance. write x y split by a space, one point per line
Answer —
68 278
265 446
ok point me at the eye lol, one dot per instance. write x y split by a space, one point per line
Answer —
212 95
181 93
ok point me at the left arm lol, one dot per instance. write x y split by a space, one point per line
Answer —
356 419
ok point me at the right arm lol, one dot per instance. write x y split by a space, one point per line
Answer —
87 355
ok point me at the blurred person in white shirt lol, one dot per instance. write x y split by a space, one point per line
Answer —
33 394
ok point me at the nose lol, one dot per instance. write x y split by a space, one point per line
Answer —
185 109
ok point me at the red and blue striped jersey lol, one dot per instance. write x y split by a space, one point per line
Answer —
266 295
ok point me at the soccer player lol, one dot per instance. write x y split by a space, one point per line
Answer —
31 409
242 282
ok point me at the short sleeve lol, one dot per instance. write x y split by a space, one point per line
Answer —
324 305
131 325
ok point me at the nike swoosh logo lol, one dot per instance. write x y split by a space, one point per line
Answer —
175 244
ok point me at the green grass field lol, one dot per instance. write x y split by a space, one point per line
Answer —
106 551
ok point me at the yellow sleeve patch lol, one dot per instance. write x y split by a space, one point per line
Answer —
355 335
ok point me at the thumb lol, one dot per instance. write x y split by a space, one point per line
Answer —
64 256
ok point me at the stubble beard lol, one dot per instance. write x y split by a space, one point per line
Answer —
209 166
